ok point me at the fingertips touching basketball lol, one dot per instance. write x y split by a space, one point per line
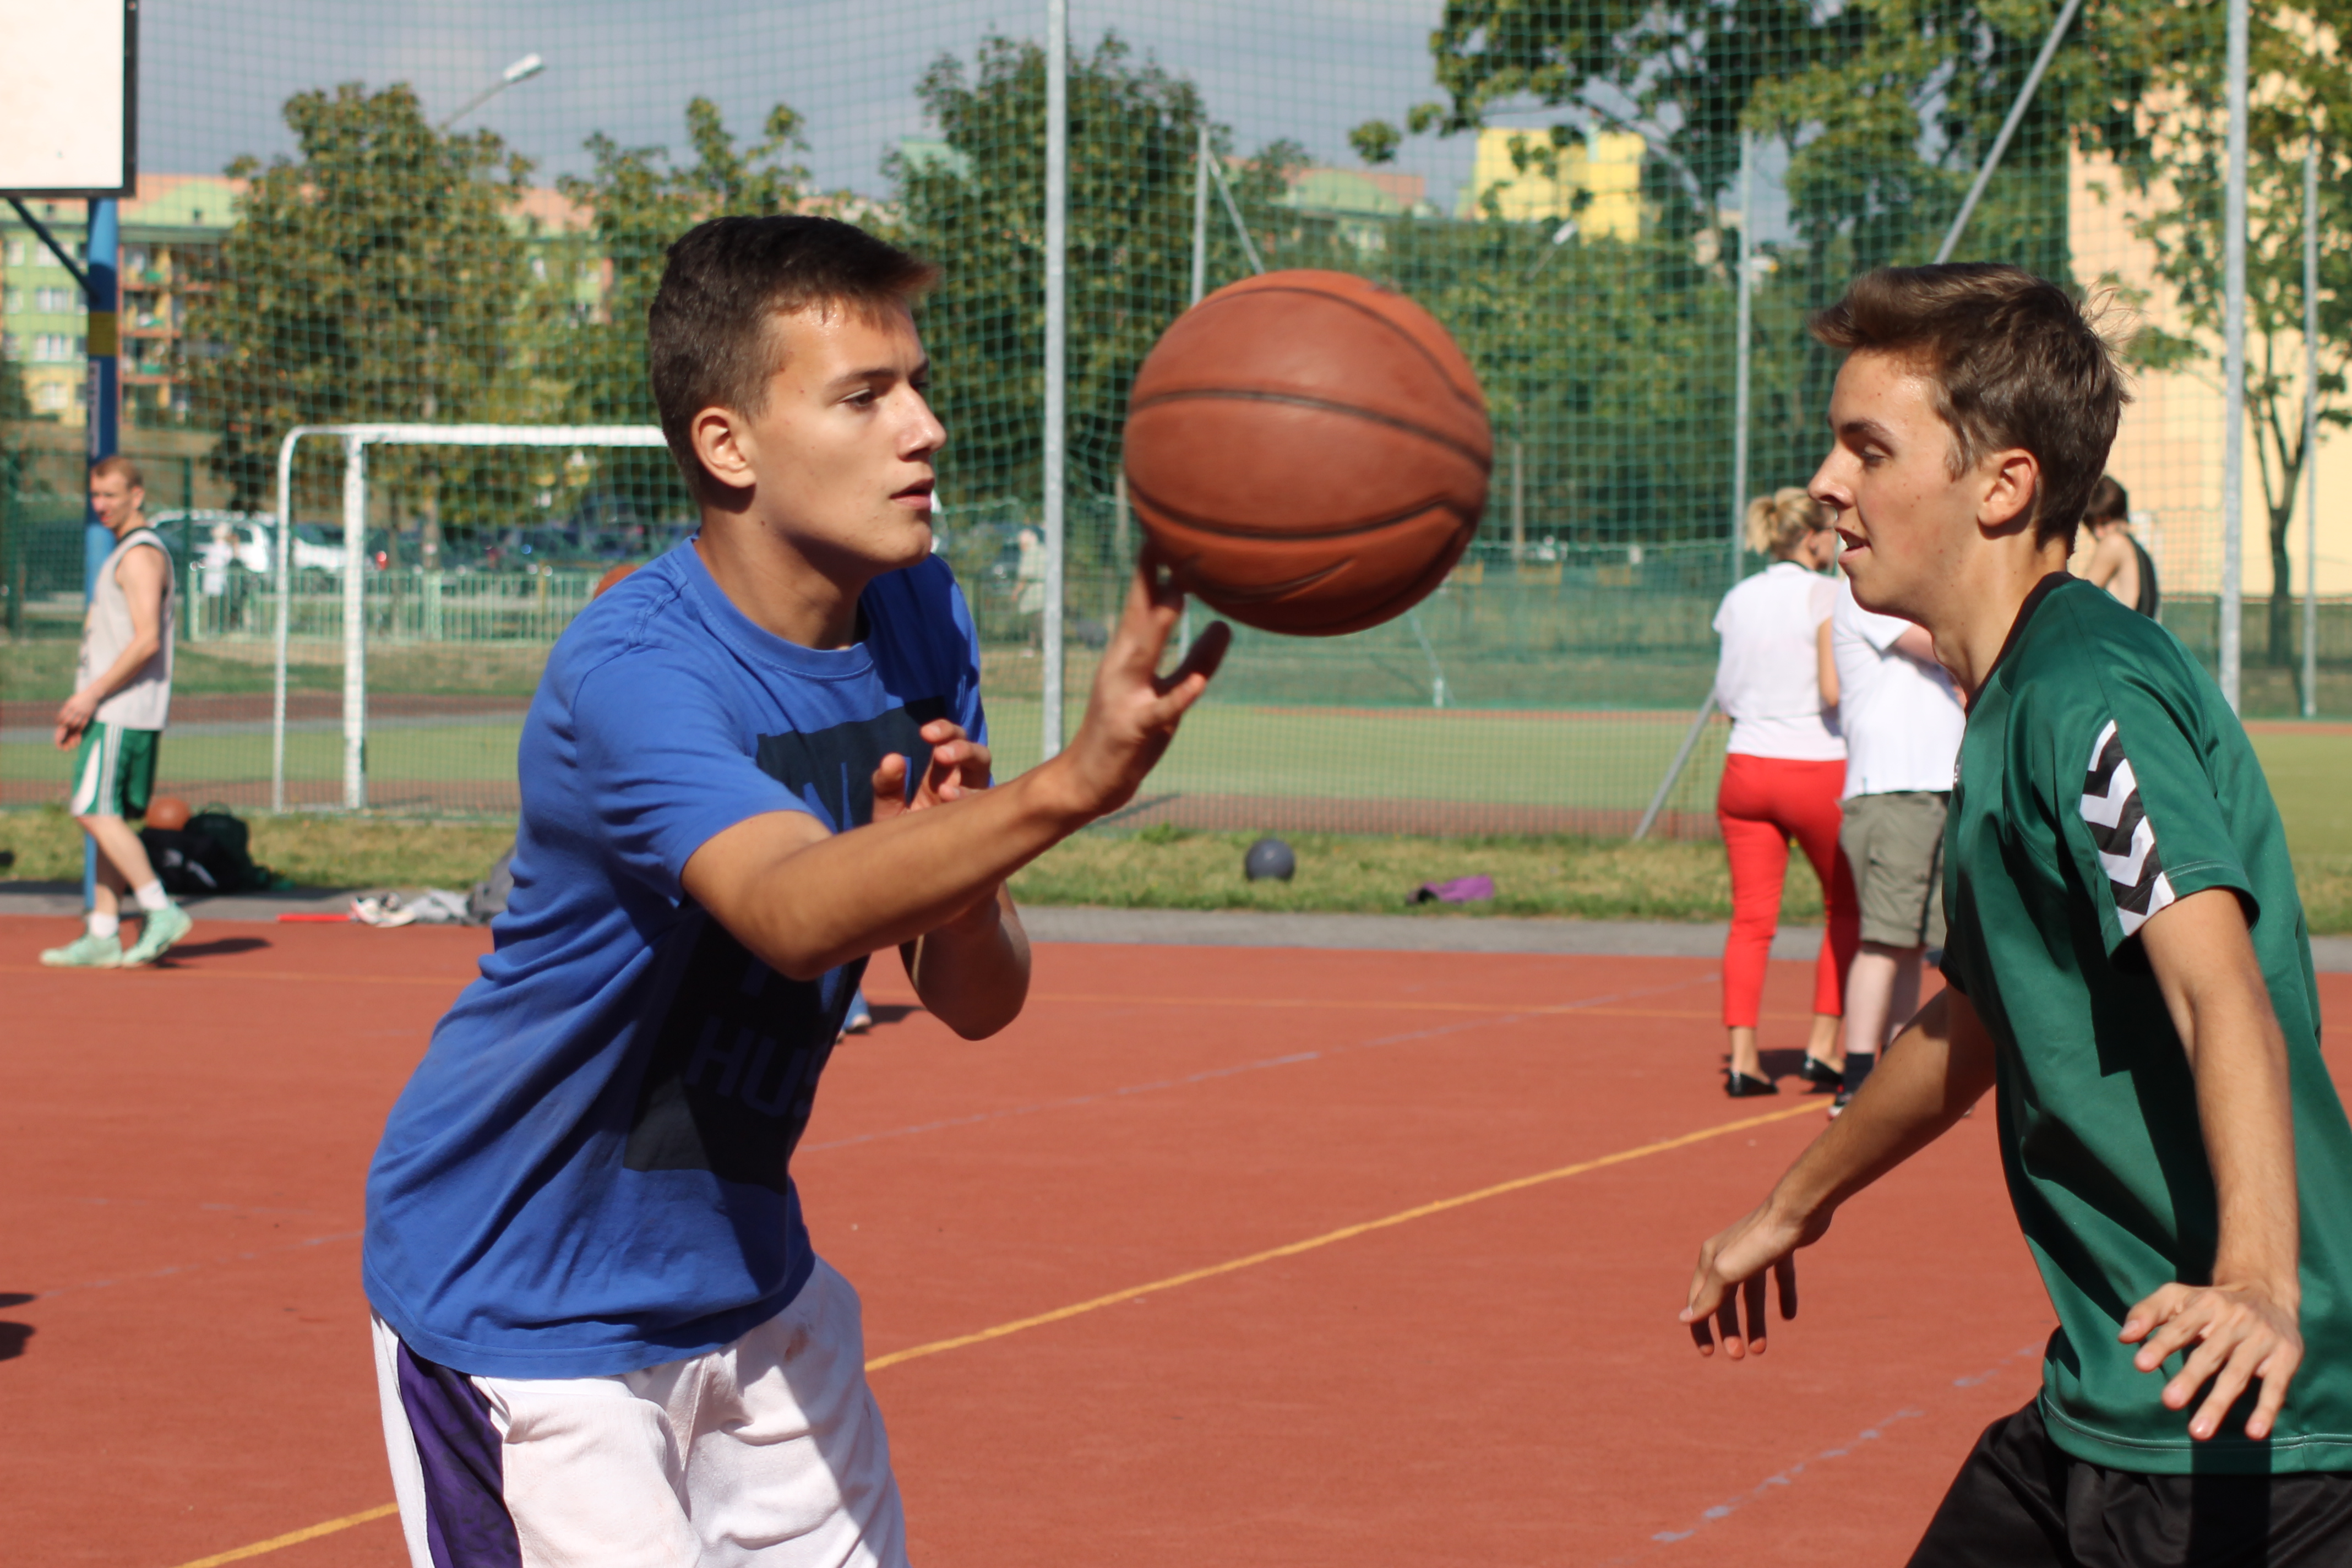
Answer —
1202 660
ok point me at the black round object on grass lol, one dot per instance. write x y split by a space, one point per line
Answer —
1269 858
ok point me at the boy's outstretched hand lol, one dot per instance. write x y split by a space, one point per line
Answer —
1133 711
1730 1277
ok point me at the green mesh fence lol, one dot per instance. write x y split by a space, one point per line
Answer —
326 231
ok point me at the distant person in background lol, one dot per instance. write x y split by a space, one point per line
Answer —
122 693
2119 562
1029 572
218 558
1902 723
1780 780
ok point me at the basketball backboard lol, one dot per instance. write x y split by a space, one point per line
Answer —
69 111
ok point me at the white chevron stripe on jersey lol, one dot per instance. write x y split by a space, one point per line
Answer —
2122 833
2107 807
2159 896
2124 870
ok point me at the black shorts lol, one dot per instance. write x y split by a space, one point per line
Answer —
2020 1503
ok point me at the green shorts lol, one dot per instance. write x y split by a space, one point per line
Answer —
114 773
1894 842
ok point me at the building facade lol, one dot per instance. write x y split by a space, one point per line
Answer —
170 233
1596 179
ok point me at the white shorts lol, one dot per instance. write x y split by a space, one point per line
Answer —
765 1453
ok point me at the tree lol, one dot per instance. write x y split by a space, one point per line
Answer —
2302 95
1681 75
371 277
639 203
1887 107
979 210
1597 366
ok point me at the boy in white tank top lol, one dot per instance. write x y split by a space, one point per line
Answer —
122 695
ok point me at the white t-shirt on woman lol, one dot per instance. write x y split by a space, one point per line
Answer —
1769 681
1903 719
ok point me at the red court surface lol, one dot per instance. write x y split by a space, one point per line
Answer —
1500 1381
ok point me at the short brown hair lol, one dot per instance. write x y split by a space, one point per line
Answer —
709 335
114 465
2108 503
1779 522
2015 362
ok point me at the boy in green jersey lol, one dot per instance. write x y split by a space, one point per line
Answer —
2127 966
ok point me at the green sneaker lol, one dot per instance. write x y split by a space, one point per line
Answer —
159 931
86 951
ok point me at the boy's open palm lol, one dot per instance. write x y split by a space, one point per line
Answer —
2239 1333
1133 710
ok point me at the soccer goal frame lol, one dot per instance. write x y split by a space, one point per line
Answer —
356 440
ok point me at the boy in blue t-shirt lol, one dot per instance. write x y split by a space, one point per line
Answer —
602 1337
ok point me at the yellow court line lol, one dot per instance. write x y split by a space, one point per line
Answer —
1131 999
1330 1004
293 1537
1193 1275
1292 1249
1525 1009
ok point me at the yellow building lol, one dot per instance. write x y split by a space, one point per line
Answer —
2169 452
1607 165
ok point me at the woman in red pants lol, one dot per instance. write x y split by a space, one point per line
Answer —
1781 779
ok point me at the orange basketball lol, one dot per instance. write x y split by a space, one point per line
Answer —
612 574
1309 451
168 812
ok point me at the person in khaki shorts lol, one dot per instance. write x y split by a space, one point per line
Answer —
1903 722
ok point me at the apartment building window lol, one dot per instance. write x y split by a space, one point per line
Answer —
16 253
57 302
12 300
56 348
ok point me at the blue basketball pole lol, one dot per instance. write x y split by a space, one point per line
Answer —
105 407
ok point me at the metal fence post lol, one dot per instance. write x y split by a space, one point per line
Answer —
1741 356
1057 228
1674 769
354 623
2311 428
102 294
2008 129
2234 372
1201 217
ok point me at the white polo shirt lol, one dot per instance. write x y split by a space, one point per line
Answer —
1767 680
1901 718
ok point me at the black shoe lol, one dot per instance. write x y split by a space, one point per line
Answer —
1814 1070
1740 1086
1845 1098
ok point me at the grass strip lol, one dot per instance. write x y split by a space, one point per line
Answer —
1156 869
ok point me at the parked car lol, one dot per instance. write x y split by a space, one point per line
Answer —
252 539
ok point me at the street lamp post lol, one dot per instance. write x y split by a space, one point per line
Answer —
522 70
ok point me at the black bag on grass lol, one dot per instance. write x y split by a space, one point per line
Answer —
208 856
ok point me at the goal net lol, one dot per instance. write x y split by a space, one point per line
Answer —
447 750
